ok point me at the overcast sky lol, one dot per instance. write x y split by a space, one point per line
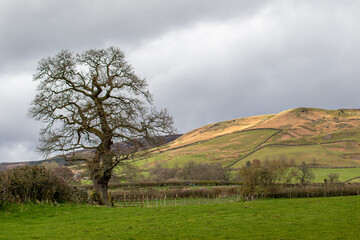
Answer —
205 60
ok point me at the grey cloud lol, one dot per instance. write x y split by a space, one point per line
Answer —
33 29
21 151
19 134
205 60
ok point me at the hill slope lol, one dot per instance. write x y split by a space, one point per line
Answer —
328 138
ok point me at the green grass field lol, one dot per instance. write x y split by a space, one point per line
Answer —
325 155
344 173
313 218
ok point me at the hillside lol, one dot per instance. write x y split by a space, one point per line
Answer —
327 138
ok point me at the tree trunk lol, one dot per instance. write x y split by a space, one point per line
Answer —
101 188
101 174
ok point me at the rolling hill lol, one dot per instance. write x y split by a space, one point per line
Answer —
326 138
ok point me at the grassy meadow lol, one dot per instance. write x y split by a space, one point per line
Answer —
304 218
344 173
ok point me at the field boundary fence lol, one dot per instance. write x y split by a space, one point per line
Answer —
146 201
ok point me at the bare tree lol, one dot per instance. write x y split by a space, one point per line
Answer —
303 173
262 176
203 171
159 173
333 177
90 100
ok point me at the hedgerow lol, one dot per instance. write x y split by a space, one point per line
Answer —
37 184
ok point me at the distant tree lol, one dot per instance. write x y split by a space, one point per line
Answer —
203 171
90 100
333 177
303 173
128 172
314 162
50 165
160 173
256 162
189 171
259 177
292 162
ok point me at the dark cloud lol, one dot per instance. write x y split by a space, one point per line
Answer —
33 29
206 60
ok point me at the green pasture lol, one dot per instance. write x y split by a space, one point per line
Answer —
310 218
344 173
321 173
326 155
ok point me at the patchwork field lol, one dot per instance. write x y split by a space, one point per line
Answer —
307 218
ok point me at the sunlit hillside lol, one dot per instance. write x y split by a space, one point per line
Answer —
327 138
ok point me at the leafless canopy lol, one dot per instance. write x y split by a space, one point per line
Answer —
87 98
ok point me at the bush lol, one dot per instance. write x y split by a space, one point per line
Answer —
36 184
64 173
4 193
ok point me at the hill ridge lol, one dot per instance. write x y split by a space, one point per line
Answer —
329 137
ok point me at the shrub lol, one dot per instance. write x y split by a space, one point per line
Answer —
4 193
64 173
35 183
